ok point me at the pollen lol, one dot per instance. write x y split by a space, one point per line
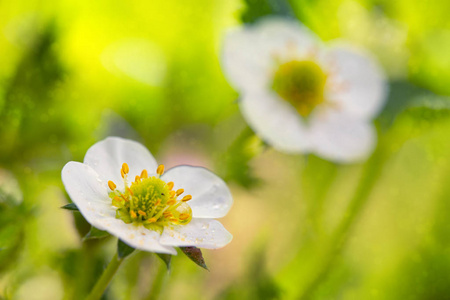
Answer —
186 198
302 84
149 201
160 170
112 185
125 168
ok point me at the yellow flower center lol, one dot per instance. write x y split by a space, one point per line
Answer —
150 201
302 84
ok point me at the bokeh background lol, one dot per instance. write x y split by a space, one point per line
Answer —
74 72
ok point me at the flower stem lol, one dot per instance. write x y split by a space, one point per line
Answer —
105 279
158 283
371 173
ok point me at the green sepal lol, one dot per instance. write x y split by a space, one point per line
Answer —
154 227
166 258
124 215
195 255
95 233
123 250
70 206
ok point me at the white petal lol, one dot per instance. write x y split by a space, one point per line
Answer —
136 236
91 197
275 121
357 83
244 61
251 54
88 193
203 233
342 138
211 197
106 158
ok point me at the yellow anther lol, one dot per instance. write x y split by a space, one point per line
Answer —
172 194
184 216
122 173
173 220
133 214
126 200
130 191
151 220
186 198
111 185
160 170
142 213
137 178
170 185
179 192
171 202
125 168
144 174
158 202
167 214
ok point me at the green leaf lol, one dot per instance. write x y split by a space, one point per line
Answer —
95 233
166 258
123 250
195 255
404 96
234 163
70 206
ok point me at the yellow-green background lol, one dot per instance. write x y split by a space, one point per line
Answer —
74 72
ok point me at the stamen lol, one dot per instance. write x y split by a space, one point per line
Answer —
125 168
186 198
184 216
160 170
149 200
111 185
129 190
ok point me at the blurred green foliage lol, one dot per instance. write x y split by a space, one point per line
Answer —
65 83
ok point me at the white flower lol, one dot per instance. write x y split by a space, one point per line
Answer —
120 189
302 96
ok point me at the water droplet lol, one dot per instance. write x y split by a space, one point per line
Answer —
205 226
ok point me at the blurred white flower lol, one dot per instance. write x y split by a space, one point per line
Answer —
302 96
148 213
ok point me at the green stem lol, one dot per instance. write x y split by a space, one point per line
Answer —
105 279
158 283
371 173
